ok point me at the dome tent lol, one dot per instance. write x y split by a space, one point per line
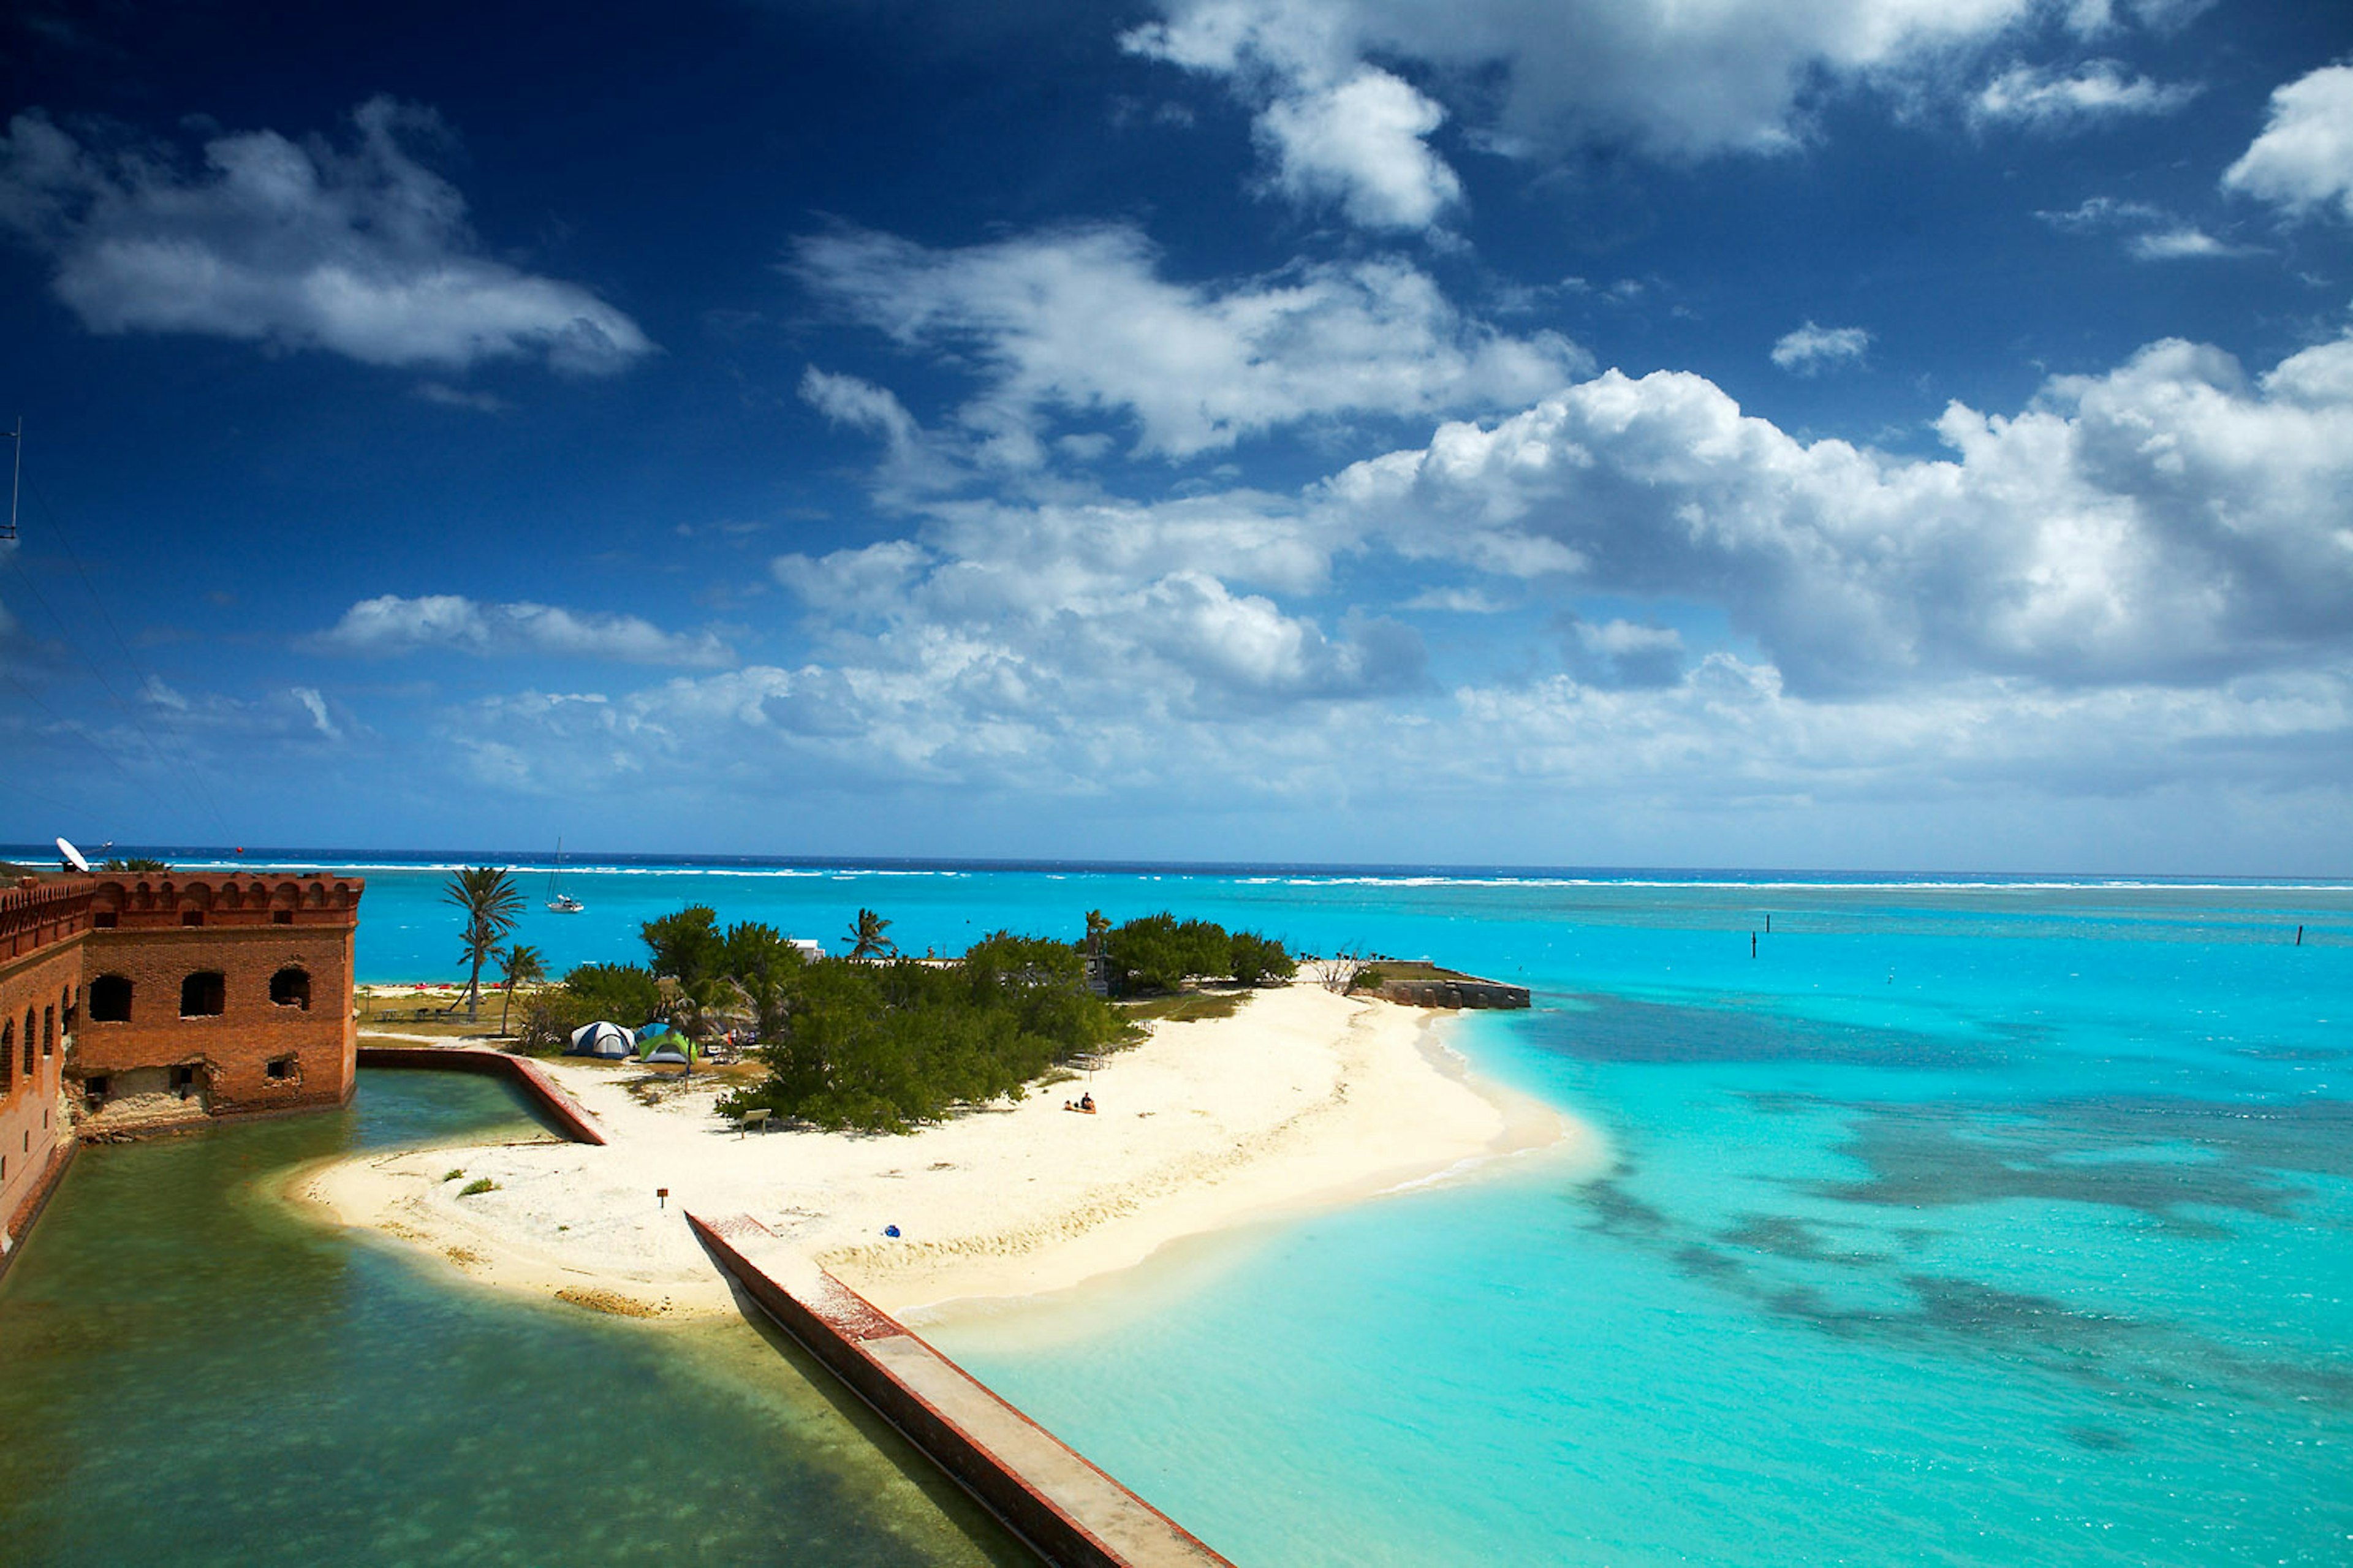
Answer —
609 1041
672 1047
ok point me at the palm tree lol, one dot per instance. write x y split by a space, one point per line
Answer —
866 938
492 905
522 965
1098 928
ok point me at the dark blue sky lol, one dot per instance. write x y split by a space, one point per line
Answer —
1879 435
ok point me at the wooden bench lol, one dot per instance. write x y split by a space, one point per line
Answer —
751 1119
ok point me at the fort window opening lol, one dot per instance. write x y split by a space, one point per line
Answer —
105 919
203 994
96 1089
109 1000
281 917
192 917
280 1068
290 988
184 1080
7 1055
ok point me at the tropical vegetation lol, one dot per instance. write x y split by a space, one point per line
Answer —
882 1047
520 963
491 905
1159 952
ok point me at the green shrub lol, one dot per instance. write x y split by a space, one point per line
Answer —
885 1047
1254 960
478 1185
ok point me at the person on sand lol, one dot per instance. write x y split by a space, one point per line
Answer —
1087 1103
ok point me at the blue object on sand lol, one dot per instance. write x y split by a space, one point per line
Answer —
890 1230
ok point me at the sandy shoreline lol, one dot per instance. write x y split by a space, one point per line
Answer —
1302 1099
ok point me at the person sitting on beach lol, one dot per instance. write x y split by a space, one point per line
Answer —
1087 1103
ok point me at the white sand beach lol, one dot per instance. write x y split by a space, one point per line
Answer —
1303 1098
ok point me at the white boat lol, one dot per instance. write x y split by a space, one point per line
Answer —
560 902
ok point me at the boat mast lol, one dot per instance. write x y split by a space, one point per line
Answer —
16 478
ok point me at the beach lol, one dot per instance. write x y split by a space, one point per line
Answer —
1302 1099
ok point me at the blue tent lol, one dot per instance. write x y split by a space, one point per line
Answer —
609 1041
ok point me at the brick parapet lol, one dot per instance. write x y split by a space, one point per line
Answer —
144 901
37 912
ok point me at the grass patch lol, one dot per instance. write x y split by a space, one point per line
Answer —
453 1175
478 1185
1184 1006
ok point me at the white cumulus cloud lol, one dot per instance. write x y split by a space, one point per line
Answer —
1360 143
360 251
391 625
2304 159
1079 324
2173 520
1673 79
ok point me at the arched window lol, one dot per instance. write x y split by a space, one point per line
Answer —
7 1056
109 1000
48 1039
290 988
203 994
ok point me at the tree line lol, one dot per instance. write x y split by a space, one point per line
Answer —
875 1040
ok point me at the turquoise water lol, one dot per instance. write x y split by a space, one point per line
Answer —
194 1374
1986 1223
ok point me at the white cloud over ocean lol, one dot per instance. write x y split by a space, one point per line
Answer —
357 250
1080 322
390 625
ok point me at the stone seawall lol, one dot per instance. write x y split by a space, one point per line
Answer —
1453 990
1066 1509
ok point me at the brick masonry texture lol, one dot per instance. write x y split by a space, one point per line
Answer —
284 1036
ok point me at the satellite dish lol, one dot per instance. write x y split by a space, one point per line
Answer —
73 858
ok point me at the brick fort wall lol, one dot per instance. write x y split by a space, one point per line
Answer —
217 996
42 929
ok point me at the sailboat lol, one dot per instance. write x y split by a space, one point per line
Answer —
559 901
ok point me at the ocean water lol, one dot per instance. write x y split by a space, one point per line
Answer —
193 1373
1959 1221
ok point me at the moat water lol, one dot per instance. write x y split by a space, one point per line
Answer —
193 1371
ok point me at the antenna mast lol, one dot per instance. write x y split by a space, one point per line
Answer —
17 477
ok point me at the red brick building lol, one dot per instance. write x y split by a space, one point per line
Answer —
135 1001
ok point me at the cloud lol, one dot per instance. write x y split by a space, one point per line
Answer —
1620 653
448 396
2159 236
2304 160
359 251
1079 324
2183 244
2097 213
1360 143
1811 348
315 705
1671 80
2043 99
2170 521
390 626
